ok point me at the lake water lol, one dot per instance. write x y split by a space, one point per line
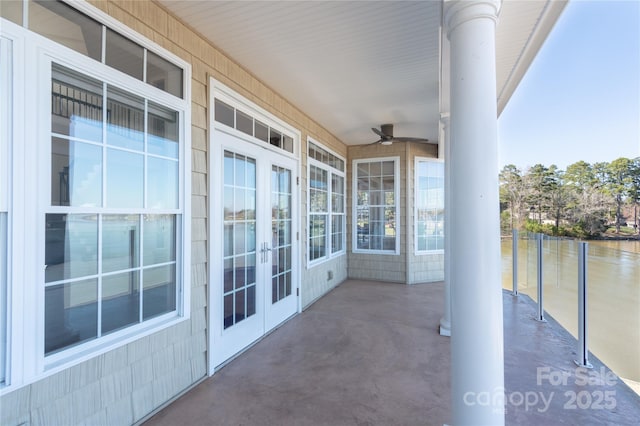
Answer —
613 294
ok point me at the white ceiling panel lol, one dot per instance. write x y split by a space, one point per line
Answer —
350 65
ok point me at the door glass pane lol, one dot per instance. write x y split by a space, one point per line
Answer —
163 130
163 74
70 314
120 242
76 173
125 120
120 301
159 240
65 25
280 227
76 105
124 179
71 246
124 55
159 291
239 237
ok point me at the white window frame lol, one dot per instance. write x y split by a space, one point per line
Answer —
6 137
419 160
27 362
396 190
329 254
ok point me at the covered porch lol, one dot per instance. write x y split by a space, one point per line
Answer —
370 353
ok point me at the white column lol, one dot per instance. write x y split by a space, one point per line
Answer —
444 151
476 294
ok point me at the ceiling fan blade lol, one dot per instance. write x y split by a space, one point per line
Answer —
378 132
411 140
376 142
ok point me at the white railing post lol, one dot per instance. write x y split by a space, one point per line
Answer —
514 251
583 350
539 239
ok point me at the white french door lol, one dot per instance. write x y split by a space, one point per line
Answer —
254 288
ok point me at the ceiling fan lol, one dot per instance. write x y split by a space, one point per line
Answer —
387 138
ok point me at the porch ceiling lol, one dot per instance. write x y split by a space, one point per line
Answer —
353 65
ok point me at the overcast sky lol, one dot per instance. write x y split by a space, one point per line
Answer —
580 99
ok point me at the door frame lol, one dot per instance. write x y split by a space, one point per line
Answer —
218 90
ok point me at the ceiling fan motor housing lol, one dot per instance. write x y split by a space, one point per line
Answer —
387 129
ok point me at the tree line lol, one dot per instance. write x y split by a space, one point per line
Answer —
581 201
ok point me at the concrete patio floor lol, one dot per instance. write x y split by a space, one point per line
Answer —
369 353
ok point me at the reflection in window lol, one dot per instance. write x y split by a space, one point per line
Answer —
3 292
76 105
61 23
326 204
76 173
109 269
375 201
229 116
71 246
70 314
239 239
164 75
124 55
429 205
163 131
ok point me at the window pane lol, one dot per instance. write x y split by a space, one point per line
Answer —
11 10
162 183
224 113
70 314
336 233
76 174
3 293
337 194
124 55
164 75
124 179
159 239
430 205
120 242
125 120
275 138
159 291
120 301
262 131
71 246
65 25
76 105
317 236
287 143
163 131
244 122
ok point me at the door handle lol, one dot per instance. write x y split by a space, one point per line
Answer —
263 252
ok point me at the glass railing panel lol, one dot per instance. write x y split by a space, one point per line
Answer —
613 292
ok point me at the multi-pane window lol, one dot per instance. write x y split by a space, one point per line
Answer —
429 205
63 24
376 205
112 227
232 117
326 217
